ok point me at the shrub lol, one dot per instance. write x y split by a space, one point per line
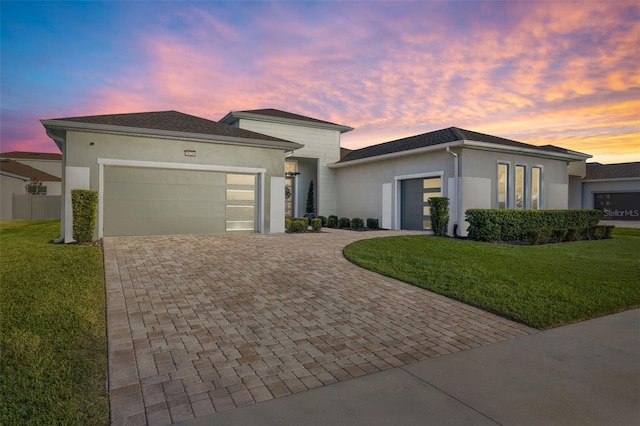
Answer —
344 222
310 199
601 232
299 225
559 235
332 221
357 223
572 234
316 224
323 220
372 223
85 205
518 225
439 215
287 224
539 236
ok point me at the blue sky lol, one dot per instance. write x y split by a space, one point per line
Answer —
562 73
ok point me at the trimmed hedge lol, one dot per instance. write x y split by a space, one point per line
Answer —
357 223
300 224
316 224
332 221
532 225
372 223
323 220
439 215
344 222
84 204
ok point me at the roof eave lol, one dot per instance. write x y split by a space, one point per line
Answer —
136 131
234 116
534 151
409 152
619 179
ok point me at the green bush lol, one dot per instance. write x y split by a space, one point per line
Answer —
316 224
357 223
539 236
299 225
287 224
85 206
439 215
372 223
559 235
344 222
520 225
332 221
323 220
573 234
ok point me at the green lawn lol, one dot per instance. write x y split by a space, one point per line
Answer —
53 345
541 286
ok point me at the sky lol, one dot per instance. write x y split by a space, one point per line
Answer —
565 73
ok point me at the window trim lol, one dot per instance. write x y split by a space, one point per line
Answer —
508 197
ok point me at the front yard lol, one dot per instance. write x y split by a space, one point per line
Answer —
541 286
53 345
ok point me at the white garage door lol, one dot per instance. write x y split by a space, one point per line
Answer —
151 201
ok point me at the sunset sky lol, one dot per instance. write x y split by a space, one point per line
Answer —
541 72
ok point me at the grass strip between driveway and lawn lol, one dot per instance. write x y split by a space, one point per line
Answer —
541 286
53 345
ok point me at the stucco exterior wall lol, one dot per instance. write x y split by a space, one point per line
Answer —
484 164
323 144
84 148
361 192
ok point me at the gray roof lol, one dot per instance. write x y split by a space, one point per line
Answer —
16 168
451 134
172 121
282 116
612 171
24 155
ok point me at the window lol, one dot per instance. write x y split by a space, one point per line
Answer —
503 185
431 187
520 185
536 185
233 179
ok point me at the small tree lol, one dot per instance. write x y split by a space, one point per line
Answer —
310 199
439 215
33 187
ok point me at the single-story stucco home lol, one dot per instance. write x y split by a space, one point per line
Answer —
172 173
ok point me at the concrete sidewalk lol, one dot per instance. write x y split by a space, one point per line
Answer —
582 374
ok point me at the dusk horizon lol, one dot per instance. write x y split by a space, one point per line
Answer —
538 72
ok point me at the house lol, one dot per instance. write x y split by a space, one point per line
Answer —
394 180
614 189
17 169
171 173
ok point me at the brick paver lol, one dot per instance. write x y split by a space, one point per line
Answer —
200 324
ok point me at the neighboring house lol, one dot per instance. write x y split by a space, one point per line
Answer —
173 173
16 173
614 189
394 180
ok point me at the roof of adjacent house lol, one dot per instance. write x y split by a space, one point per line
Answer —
171 122
283 116
443 136
23 155
612 171
9 166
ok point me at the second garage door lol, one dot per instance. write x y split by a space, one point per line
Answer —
152 201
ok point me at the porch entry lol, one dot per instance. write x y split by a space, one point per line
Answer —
415 211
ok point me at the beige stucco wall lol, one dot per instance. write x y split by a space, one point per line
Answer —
322 144
483 164
360 193
84 148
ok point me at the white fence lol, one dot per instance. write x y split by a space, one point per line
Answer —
36 206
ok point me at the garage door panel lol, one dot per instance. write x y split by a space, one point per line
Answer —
147 201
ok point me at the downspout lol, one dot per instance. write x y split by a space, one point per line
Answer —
456 222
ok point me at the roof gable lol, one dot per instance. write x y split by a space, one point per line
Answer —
16 168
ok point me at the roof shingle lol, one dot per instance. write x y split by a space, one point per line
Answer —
29 173
612 171
23 155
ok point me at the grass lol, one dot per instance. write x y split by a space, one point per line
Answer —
53 346
540 286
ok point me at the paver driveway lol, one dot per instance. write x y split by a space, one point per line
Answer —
207 323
